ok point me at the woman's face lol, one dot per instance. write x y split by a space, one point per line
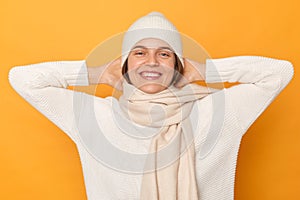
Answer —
151 65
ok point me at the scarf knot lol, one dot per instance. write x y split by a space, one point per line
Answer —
165 108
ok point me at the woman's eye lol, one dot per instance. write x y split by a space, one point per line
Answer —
163 54
139 53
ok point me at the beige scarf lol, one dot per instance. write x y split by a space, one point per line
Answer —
169 172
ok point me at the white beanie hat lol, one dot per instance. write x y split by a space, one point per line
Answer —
153 25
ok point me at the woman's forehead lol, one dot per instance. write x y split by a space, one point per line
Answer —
152 43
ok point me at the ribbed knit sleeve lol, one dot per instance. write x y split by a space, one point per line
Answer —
44 84
261 78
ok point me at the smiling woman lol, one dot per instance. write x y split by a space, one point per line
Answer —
165 138
152 66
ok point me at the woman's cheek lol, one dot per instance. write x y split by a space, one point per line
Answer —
134 65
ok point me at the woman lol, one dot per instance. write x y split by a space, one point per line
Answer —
164 138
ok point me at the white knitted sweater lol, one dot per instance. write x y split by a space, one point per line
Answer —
219 121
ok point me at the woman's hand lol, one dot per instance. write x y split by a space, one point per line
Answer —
110 74
193 71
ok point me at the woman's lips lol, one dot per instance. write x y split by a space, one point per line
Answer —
150 75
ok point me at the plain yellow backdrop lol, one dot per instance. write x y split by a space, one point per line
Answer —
38 161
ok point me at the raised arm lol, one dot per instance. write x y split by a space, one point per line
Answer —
261 78
44 85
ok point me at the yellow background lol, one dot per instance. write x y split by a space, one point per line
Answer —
38 161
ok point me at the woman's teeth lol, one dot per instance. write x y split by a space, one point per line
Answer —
150 75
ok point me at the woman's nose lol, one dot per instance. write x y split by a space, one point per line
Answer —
152 59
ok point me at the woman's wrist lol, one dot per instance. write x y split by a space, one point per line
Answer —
197 70
95 75
109 73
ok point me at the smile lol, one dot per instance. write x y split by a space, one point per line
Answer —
150 75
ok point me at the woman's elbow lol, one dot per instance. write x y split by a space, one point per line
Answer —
289 69
287 73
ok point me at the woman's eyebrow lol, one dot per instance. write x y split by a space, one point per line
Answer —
167 48
137 47
143 47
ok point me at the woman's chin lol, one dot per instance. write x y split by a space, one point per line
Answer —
152 88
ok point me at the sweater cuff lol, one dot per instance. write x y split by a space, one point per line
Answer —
218 70
75 73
